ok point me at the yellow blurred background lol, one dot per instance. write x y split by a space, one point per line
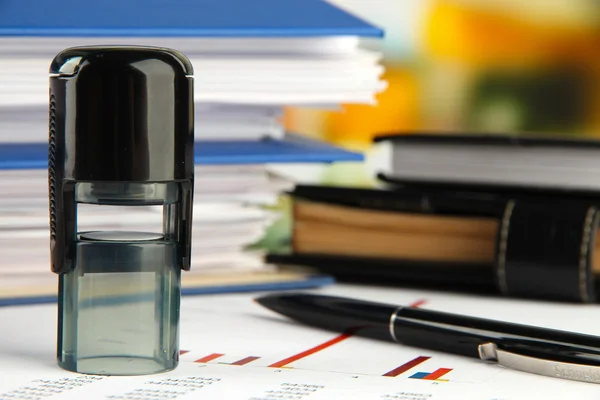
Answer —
507 66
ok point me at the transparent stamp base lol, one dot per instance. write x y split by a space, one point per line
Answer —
119 307
118 365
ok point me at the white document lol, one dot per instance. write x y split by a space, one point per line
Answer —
232 348
276 71
29 123
229 216
49 46
28 189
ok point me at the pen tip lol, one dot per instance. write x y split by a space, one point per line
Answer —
260 300
271 301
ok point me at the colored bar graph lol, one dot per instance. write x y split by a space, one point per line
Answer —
405 367
245 361
209 358
306 353
437 374
432 376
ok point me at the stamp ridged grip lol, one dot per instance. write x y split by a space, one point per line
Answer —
52 165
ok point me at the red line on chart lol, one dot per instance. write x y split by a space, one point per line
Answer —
208 358
405 367
245 361
437 374
311 351
182 352
418 303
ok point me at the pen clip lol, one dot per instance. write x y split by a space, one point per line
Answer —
555 369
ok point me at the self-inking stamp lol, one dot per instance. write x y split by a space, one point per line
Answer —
121 134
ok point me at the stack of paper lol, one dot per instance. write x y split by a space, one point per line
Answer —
248 67
229 216
27 124
240 85
280 71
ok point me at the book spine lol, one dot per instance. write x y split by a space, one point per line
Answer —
418 200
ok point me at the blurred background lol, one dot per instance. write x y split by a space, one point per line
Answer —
508 66
469 66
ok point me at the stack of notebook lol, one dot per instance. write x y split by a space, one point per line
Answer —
516 215
250 59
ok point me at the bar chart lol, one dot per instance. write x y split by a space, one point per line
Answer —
432 376
403 369
254 338
429 376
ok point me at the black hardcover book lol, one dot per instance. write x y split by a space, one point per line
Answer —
533 238
492 160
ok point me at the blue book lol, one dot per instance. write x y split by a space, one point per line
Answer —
191 19
179 18
294 149
187 18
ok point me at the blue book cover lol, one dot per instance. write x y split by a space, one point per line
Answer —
179 18
293 149
48 294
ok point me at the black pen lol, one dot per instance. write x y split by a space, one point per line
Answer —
526 348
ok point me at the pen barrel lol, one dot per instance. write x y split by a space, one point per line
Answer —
457 334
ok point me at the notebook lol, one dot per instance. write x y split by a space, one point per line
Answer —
492 159
263 52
